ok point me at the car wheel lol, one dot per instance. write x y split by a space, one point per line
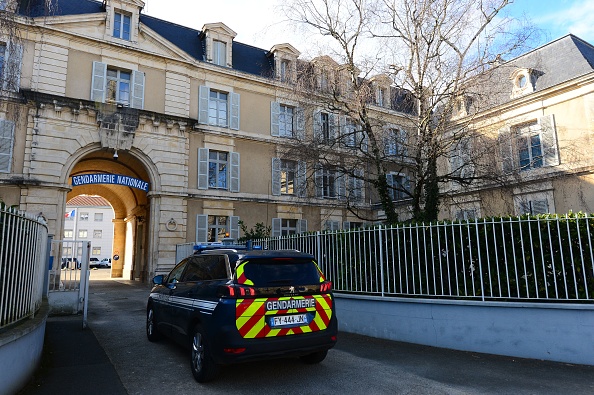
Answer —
152 333
203 367
315 357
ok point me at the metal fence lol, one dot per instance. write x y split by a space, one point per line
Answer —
545 258
23 249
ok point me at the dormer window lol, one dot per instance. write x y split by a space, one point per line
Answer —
219 53
285 62
121 25
219 44
285 70
523 82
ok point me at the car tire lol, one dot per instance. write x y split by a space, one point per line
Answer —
314 358
152 333
203 367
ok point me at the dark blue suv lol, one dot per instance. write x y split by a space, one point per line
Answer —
231 306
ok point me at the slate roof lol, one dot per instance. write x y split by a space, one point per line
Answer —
246 58
554 63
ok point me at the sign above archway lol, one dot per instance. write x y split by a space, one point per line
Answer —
106 178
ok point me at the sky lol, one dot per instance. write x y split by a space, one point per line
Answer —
260 23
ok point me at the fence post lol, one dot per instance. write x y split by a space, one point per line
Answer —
319 249
48 257
381 260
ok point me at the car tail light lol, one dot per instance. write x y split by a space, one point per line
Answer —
326 286
237 291
234 350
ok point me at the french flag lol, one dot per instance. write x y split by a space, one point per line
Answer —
70 214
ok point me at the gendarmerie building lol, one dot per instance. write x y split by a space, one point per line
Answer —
182 131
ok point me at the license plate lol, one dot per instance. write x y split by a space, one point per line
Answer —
283 321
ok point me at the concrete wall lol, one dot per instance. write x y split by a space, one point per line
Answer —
556 332
21 347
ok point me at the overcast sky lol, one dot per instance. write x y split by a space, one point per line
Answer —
259 23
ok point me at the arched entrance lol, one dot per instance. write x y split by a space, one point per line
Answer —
119 185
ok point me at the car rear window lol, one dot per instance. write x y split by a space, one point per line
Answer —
281 271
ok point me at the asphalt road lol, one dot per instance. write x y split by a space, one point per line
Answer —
357 365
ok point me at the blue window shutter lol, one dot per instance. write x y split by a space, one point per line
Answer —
234 176
276 177
276 227
99 82
234 110
202 168
505 147
12 67
203 104
299 123
317 126
319 181
6 145
234 227
301 179
137 90
302 226
201 228
549 140
274 118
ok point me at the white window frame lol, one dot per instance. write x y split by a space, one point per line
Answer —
119 30
97 234
286 121
291 128
100 81
232 170
395 180
231 106
286 226
68 234
83 233
203 228
219 52
83 217
96 250
98 217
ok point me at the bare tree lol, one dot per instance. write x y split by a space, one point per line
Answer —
433 51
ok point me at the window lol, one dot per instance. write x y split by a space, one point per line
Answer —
325 126
96 251
67 251
285 226
2 57
218 170
218 108
6 145
285 70
399 184
461 163
331 225
324 80
330 183
352 137
121 26
356 186
84 217
381 97
68 234
117 86
219 53
214 228
286 121
395 142
288 177
217 227
10 65
466 214
352 225
533 207
97 234
83 234
528 144
98 217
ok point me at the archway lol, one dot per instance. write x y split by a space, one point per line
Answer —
130 204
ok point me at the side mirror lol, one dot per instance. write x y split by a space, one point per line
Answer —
158 280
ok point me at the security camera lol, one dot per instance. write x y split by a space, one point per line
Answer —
115 155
